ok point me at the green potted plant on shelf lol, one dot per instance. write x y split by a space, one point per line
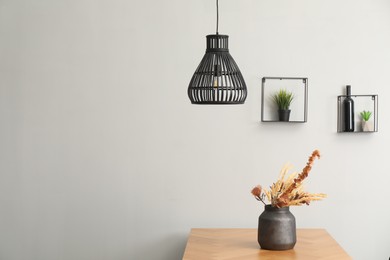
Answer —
283 99
367 125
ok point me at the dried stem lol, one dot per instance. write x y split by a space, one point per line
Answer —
289 192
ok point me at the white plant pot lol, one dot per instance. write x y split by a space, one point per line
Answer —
367 126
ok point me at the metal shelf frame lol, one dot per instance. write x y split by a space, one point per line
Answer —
302 86
362 102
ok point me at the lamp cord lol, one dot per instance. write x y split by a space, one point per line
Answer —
217 16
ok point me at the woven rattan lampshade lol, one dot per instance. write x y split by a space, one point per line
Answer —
217 80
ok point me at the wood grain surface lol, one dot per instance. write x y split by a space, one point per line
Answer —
239 243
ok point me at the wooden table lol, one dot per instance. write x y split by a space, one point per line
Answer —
241 243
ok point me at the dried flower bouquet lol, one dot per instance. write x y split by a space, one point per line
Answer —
289 191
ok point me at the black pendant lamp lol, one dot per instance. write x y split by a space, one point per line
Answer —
217 80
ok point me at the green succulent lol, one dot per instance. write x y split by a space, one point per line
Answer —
365 115
283 99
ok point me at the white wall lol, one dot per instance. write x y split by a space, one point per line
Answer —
102 156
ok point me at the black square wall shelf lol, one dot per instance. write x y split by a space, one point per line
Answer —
361 103
297 86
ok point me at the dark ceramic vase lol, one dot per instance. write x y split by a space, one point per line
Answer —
277 229
284 114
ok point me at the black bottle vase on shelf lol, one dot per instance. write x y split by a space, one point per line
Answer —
349 113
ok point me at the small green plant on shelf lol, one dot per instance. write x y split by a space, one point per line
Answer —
366 115
366 125
283 99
